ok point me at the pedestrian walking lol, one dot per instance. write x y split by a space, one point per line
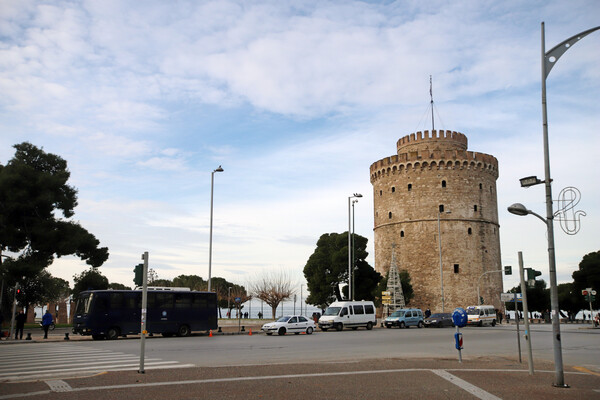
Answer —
46 322
20 320
427 313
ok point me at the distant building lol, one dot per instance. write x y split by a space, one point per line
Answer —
430 176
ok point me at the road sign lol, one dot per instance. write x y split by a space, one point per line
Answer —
459 317
238 299
386 293
584 292
386 297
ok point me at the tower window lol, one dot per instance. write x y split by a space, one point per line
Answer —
475 208
443 184
470 231
390 215
393 189
401 233
480 186
381 192
409 187
441 208
456 268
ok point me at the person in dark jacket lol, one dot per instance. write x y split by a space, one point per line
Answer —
46 322
20 320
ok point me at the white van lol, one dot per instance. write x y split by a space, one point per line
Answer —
350 314
481 315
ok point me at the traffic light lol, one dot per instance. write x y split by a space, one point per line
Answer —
531 274
508 270
139 275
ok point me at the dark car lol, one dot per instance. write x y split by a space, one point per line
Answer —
439 320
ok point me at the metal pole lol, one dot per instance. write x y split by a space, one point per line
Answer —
349 255
14 311
144 313
440 251
526 312
559 378
212 184
518 331
353 257
301 299
228 302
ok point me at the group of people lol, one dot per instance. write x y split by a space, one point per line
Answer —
20 319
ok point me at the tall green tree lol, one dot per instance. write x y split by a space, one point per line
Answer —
327 268
588 276
36 205
90 279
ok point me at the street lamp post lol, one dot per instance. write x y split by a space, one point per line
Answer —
350 247
549 59
212 185
301 299
353 257
440 251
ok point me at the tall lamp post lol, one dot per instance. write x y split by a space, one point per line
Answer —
350 247
212 185
440 251
353 258
549 59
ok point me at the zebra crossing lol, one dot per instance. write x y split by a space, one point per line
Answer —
31 361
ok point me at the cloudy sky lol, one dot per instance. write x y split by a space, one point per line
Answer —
295 99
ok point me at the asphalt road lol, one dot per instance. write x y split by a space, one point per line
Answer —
581 345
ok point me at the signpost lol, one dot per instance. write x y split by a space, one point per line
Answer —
143 313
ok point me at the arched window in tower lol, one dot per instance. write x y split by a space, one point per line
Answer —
441 208
401 233
393 189
475 208
390 215
443 184
470 231
381 192
480 186
409 187
456 268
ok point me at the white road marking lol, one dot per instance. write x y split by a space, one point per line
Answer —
59 386
474 390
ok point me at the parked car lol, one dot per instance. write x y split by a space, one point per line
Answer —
405 318
290 323
348 314
439 320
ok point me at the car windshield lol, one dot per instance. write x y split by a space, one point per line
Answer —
284 319
398 314
84 302
473 312
332 310
436 315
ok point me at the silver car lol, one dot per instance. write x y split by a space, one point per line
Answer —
290 323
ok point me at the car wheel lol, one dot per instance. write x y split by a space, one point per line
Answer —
184 331
402 325
281 331
309 330
113 333
369 325
339 327
420 324
494 323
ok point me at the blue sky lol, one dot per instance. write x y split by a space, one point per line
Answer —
295 99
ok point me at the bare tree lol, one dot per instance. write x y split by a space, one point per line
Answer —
273 288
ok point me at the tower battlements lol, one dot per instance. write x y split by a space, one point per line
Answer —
435 140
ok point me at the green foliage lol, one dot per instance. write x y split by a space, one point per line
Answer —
90 279
588 276
327 267
33 195
538 297
194 282
569 298
118 286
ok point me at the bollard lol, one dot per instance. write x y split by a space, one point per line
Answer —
28 336
219 330
66 336
243 330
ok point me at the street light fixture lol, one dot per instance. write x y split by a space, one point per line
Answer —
549 59
212 185
350 247
440 251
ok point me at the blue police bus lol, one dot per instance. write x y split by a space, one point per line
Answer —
108 314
